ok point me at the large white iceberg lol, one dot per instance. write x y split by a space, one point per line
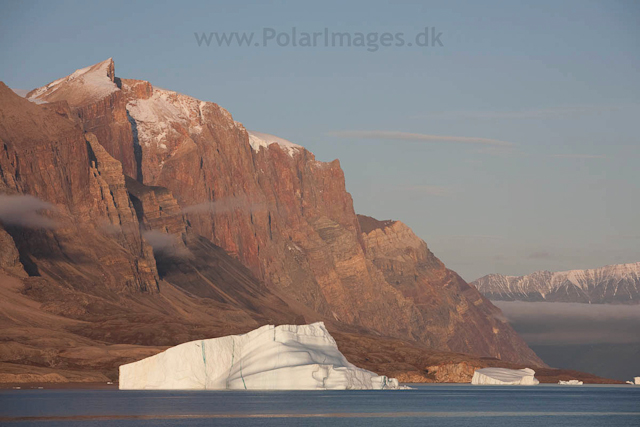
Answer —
286 357
503 376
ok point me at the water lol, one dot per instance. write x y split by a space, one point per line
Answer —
429 405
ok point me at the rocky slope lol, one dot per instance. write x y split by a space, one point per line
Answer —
618 284
161 219
40 347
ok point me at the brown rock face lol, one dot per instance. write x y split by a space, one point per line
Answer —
43 154
450 313
92 237
156 208
270 204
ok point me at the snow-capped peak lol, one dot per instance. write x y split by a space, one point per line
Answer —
81 86
259 140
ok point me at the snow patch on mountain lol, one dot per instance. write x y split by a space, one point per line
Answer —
93 82
156 116
259 140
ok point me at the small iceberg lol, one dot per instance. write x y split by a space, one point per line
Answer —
503 376
570 382
286 357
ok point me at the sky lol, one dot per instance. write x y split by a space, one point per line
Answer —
509 143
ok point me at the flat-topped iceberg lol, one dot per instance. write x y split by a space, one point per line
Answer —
570 382
286 357
503 376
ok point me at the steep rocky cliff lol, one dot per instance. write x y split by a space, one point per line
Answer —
80 291
89 234
448 313
194 175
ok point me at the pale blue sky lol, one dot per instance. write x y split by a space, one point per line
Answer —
558 81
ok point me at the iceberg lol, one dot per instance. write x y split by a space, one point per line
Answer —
503 376
570 382
286 357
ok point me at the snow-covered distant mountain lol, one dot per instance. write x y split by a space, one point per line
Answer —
611 284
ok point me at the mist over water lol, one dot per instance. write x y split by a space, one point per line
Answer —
601 339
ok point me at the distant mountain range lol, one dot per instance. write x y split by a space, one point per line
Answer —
619 284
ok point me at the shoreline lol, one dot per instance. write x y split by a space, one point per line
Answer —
104 386
59 386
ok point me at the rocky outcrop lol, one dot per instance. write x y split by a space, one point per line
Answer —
448 313
617 284
94 97
452 372
9 255
156 208
110 181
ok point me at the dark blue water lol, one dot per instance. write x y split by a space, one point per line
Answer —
434 405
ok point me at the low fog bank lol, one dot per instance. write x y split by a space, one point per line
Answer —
601 339
571 323
617 361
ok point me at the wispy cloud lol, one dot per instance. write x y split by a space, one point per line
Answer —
474 237
539 255
25 211
167 244
431 190
578 156
538 113
419 137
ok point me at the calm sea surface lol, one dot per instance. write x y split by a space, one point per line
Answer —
432 405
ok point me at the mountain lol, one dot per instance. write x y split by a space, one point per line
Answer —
134 217
619 284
